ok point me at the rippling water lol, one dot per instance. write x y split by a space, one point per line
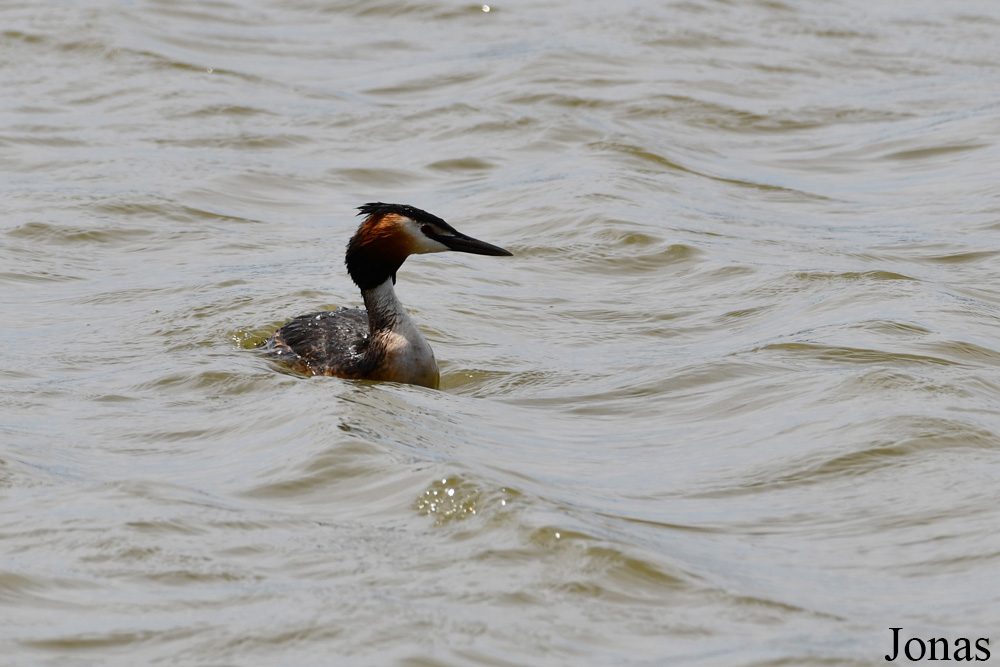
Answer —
735 400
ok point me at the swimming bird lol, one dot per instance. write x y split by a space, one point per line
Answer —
381 342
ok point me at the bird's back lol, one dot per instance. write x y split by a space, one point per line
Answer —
326 343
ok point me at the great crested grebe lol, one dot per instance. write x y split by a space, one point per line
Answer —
383 343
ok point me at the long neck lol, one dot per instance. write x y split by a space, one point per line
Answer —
385 312
402 352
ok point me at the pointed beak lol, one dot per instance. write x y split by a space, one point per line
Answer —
463 243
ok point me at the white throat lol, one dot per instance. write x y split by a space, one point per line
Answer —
409 357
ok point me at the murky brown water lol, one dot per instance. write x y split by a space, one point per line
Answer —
735 401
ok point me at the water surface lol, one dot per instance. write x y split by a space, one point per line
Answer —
734 401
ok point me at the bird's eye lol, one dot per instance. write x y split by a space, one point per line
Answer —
426 229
